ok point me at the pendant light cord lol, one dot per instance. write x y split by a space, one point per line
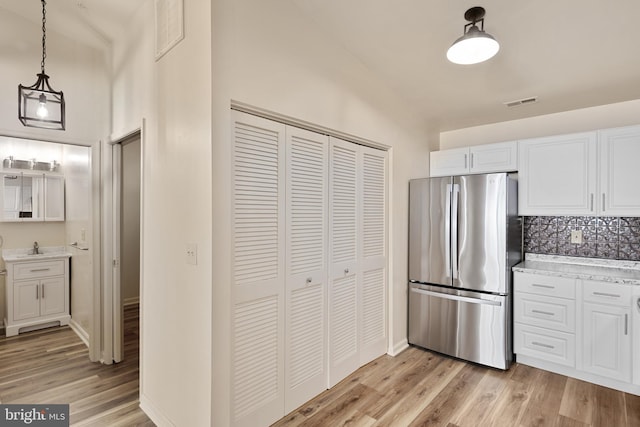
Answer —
44 35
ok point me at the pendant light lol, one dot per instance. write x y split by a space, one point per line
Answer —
475 45
39 105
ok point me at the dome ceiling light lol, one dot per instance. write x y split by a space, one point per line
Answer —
475 45
39 105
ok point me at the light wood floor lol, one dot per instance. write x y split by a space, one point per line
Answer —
52 366
419 388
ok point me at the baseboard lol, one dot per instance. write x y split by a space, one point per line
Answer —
131 301
398 348
80 332
153 413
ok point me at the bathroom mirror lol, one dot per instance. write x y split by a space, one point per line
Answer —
22 197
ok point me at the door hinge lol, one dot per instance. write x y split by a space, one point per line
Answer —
115 263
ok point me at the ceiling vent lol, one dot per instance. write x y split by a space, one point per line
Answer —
523 101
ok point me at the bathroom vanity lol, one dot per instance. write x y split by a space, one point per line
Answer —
37 289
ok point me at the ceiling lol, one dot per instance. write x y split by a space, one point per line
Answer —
570 54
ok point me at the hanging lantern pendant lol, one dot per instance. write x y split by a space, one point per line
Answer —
39 105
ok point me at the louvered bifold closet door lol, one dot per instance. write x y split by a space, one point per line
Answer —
306 266
372 252
258 236
343 267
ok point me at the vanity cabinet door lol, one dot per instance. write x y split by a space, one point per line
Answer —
26 301
52 296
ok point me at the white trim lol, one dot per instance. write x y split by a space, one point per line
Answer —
292 121
131 301
80 332
153 413
107 256
398 348
116 227
95 335
581 375
32 135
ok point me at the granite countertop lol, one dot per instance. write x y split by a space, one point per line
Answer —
604 270
48 252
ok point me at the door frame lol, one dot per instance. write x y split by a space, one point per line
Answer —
111 303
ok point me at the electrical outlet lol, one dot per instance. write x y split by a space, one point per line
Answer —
192 253
576 236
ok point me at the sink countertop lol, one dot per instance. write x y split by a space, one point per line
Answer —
47 252
614 271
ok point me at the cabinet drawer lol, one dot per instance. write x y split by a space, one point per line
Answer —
546 312
554 346
606 293
559 287
34 270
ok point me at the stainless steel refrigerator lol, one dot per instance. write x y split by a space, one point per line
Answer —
464 237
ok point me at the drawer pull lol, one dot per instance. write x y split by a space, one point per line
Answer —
39 269
37 293
604 294
548 313
539 344
537 285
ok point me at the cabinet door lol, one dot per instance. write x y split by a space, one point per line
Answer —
54 198
32 208
10 196
619 172
26 300
607 341
501 157
52 296
449 162
557 175
306 266
635 332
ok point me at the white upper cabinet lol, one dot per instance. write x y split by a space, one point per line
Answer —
28 196
619 171
500 157
557 175
591 173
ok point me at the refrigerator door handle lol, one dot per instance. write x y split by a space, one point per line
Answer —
447 231
456 297
454 230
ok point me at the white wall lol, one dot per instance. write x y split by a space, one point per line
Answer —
270 56
173 95
585 119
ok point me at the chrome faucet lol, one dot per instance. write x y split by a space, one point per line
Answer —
35 248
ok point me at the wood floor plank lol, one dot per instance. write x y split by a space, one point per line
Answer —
482 399
562 421
442 408
578 401
544 405
632 404
510 405
609 409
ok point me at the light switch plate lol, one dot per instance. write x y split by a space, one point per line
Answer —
192 253
576 236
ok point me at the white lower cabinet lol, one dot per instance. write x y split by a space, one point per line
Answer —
606 344
37 294
586 334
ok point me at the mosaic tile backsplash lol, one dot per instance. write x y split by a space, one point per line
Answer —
602 237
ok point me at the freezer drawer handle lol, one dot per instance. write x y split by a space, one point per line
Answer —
457 297
548 313
539 344
40 269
